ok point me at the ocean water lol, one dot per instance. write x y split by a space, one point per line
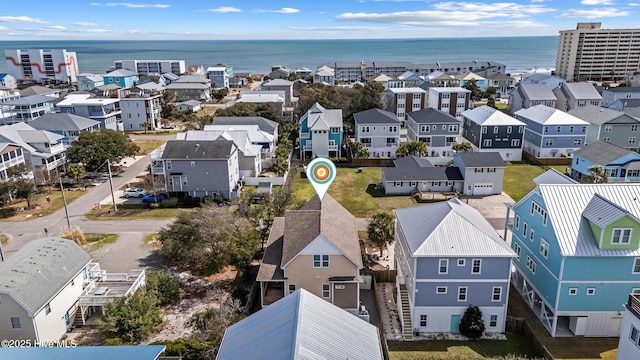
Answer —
520 54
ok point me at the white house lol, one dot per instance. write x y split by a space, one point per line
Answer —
379 131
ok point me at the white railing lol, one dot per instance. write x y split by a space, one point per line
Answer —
333 147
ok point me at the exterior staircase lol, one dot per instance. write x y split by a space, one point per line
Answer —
407 328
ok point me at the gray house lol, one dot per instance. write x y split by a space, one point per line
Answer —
197 168
449 257
68 125
413 173
491 130
608 125
483 173
528 95
379 131
574 95
436 128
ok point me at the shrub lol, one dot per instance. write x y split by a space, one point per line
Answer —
113 342
165 286
74 233
240 294
196 201
472 325
187 200
207 200
154 205
218 199
169 203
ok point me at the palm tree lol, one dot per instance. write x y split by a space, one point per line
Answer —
146 126
76 171
380 230
598 176
417 148
358 150
462 147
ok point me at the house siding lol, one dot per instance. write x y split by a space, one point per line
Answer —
492 268
206 177
11 309
439 318
52 326
378 133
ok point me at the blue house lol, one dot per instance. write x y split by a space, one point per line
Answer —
551 133
121 77
449 257
577 255
620 164
320 133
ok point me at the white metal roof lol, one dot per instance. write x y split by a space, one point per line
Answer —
301 326
409 90
253 132
450 228
553 176
546 115
603 212
565 204
486 115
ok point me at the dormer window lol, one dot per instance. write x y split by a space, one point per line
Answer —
621 236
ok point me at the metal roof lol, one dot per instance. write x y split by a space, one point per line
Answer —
62 121
546 115
603 212
624 89
537 92
481 159
449 89
37 272
553 176
277 82
264 124
433 116
486 115
301 326
598 115
39 136
450 228
121 73
319 118
565 205
376 116
581 90
603 153
239 137
148 352
408 90
30 100
198 150
440 173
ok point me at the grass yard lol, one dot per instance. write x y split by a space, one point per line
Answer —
132 212
355 191
518 178
96 241
515 344
147 146
42 208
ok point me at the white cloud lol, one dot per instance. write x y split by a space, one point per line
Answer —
513 8
225 9
596 2
286 10
97 31
83 23
132 6
339 28
24 19
2 28
56 28
593 14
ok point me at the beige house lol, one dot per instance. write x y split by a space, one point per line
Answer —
317 249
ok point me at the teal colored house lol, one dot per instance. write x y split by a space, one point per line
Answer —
320 133
121 77
577 255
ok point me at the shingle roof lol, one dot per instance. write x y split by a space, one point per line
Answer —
450 228
537 92
486 115
433 116
543 114
188 85
598 115
481 159
375 116
271 268
198 150
39 136
565 205
62 121
301 326
37 90
30 100
37 272
412 161
264 124
602 153
553 176
439 173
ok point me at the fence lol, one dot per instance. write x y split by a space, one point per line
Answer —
371 162
546 161
520 325
385 276
383 338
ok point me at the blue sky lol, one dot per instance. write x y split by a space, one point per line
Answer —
303 19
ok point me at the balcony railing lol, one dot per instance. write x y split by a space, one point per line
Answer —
634 305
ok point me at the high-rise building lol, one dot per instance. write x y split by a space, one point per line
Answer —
592 53
152 67
37 65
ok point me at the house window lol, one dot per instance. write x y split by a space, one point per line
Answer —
484 129
509 129
423 320
636 266
495 129
546 129
486 142
525 227
520 129
335 130
441 290
320 261
634 127
548 142
517 221
544 248
493 321
532 234
292 288
168 164
531 265
634 334
15 323
591 291
326 292
621 236
364 129
558 129
184 180
517 249
424 128
47 309
497 294
577 142
570 128
461 262
453 128
462 293
477 266
393 128
443 268
515 142
632 140
573 291
606 139
608 128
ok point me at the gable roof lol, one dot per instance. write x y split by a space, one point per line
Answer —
198 150
602 152
121 73
481 159
598 115
537 92
565 205
278 82
37 90
31 100
440 173
375 116
553 176
193 78
254 134
412 161
581 90
92 77
488 116
319 118
264 124
37 272
433 116
543 114
239 137
301 326
624 89
603 212
62 121
450 228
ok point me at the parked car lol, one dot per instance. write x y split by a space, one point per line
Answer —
153 198
134 192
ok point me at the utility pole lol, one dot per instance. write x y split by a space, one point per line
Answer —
64 201
113 197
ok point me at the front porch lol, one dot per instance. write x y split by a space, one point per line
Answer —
271 292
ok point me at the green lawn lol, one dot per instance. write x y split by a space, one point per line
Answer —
516 344
355 191
518 178
132 212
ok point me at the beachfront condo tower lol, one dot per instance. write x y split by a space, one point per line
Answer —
37 65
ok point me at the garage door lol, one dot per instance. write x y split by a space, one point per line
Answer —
482 189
